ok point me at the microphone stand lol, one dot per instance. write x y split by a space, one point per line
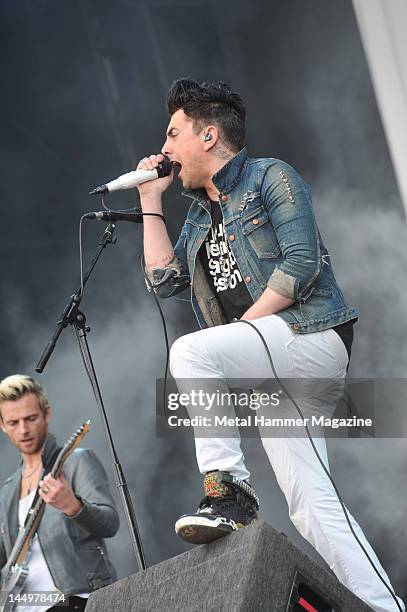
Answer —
73 316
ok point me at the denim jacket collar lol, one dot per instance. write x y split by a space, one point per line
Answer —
225 179
229 175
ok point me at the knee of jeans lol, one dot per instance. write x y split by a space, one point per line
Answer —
296 512
182 352
297 501
309 503
300 513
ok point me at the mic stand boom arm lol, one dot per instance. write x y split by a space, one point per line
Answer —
73 316
69 315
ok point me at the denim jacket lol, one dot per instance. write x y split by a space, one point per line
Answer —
73 547
273 235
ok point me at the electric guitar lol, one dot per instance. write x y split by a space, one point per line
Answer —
15 571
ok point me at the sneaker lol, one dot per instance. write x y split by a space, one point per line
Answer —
228 505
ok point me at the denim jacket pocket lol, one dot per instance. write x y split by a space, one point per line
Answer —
257 228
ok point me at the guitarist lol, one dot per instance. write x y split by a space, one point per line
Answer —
68 553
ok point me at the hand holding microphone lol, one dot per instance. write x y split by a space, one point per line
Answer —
149 169
151 164
151 192
152 177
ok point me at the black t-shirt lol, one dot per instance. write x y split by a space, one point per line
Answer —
221 269
345 332
224 276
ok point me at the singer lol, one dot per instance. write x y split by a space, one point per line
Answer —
250 249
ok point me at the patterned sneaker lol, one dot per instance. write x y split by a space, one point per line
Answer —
229 503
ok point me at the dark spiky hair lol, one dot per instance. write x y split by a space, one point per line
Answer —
210 103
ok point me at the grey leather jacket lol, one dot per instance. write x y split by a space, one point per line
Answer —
73 547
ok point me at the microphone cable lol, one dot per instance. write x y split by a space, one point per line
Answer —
167 344
142 264
345 512
150 286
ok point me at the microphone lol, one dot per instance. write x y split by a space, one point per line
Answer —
113 216
134 178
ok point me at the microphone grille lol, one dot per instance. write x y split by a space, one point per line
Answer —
164 169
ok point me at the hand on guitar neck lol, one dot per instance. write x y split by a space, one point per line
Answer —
58 493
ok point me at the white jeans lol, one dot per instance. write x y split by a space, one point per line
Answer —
234 351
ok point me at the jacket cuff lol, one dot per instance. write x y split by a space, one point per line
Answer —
86 517
283 283
74 516
159 276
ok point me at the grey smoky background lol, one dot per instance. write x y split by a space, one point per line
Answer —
83 84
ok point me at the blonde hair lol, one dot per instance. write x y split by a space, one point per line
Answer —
15 386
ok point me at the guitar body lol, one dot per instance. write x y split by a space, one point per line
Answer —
11 585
